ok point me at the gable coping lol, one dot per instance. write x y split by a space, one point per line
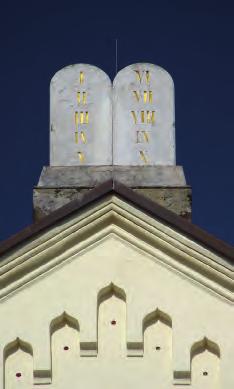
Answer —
153 209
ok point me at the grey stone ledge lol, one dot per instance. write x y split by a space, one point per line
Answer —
131 176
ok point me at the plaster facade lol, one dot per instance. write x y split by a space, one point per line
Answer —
112 297
112 290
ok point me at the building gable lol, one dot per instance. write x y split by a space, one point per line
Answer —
109 284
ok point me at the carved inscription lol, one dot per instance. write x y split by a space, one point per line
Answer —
142 136
81 77
81 97
143 116
81 117
143 76
81 120
145 96
146 117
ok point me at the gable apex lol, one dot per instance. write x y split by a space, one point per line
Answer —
145 204
113 210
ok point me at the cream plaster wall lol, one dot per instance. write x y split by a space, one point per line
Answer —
115 315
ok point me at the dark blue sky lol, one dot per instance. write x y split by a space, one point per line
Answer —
192 40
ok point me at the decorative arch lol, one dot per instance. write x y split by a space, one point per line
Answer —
109 291
155 316
15 345
111 321
62 320
157 337
205 356
18 363
203 345
65 344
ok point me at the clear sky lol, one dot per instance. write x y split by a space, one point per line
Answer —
192 40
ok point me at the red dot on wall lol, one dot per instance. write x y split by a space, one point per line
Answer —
113 322
18 375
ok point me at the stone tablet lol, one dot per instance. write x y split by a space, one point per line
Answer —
80 117
143 116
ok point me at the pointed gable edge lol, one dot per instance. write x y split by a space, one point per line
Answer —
154 210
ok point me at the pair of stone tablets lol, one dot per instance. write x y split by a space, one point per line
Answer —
94 123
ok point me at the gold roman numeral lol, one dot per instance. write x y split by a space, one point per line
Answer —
150 117
134 115
81 118
81 156
143 156
143 117
138 75
81 77
76 118
81 97
142 136
80 137
142 75
137 95
146 96
147 76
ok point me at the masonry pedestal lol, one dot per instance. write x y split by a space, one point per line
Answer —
166 185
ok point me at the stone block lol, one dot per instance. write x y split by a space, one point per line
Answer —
80 117
166 185
47 200
131 176
177 200
143 116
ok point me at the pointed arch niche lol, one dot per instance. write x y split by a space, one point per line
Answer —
18 360
205 357
111 322
157 333
65 346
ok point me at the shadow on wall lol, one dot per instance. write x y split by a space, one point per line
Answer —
157 355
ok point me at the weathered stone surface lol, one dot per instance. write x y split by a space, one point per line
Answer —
143 116
47 200
177 200
149 176
83 152
131 176
80 117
